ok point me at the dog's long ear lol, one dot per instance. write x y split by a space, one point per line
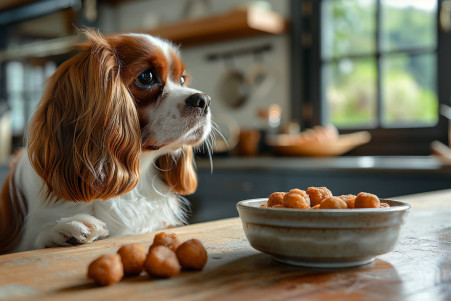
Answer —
179 174
84 139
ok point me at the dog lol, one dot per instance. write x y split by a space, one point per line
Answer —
109 149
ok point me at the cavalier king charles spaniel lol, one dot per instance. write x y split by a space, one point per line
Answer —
109 147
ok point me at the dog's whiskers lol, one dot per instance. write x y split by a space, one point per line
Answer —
155 187
215 129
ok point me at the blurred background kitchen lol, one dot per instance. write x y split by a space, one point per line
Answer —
349 94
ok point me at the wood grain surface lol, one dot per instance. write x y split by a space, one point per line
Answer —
418 269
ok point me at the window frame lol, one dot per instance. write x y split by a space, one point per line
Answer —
306 69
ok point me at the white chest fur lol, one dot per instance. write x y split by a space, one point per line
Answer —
149 206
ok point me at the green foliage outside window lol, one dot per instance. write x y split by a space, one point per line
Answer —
408 79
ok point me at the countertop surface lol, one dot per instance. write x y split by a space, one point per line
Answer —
373 163
418 269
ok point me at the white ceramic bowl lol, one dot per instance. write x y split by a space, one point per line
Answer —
325 238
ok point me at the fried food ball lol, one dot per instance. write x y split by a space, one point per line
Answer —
296 199
385 205
366 200
275 198
317 194
316 206
169 240
132 257
333 202
162 262
106 270
297 190
192 254
349 199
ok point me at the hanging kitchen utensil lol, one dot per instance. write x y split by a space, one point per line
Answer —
233 87
259 77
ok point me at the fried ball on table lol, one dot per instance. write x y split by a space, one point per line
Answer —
169 240
162 262
106 270
192 254
132 257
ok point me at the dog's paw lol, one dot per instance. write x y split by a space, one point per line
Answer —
76 230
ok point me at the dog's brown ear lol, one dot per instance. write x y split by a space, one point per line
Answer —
84 139
179 174
13 211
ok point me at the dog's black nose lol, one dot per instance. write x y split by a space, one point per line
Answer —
198 100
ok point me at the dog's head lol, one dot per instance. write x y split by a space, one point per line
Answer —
120 96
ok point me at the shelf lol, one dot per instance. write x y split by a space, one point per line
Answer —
228 26
235 24
10 4
40 49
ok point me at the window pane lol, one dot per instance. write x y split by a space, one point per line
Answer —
409 90
350 93
408 24
15 91
348 27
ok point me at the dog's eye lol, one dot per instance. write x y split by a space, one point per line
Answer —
146 78
182 80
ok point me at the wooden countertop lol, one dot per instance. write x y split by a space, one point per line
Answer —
418 269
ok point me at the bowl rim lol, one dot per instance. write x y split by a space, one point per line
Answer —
394 207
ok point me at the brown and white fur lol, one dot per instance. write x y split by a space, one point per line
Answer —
109 148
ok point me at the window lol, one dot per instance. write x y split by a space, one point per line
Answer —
23 90
372 65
